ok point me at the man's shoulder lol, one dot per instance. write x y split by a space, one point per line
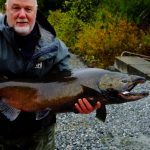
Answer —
1 17
46 34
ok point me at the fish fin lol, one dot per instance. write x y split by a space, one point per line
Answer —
42 114
101 113
9 112
92 95
87 90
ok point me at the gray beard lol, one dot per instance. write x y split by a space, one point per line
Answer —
23 30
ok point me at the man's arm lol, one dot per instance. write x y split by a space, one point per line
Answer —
61 62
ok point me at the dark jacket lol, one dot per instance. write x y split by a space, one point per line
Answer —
49 55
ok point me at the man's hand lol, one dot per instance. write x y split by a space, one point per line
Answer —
84 107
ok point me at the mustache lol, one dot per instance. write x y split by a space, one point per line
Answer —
22 20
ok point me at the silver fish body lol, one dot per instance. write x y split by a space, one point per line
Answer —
61 94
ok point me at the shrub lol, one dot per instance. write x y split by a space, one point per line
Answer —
101 42
135 10
66 25
2 3
83 9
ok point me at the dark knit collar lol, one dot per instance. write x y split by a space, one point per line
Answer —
27 44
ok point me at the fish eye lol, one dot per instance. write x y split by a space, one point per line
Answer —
125 81
110 84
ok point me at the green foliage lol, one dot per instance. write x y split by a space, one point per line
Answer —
84 9
99 41
135 10
46 5
67 25
2 2
110 36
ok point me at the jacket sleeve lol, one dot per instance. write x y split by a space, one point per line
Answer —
62 59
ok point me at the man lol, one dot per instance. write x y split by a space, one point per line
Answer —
28 50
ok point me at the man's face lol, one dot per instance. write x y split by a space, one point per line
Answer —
21 15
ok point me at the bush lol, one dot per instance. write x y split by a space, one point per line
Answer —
84 9
66 25
2 2
135 10
101 42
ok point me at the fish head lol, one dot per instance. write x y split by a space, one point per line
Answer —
116 87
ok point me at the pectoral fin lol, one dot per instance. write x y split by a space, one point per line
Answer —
9 112
42 114
89 92
101 113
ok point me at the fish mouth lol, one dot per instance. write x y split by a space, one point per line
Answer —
129 95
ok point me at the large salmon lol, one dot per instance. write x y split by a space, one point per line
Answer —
60 95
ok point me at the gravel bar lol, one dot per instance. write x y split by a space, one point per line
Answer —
127 125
